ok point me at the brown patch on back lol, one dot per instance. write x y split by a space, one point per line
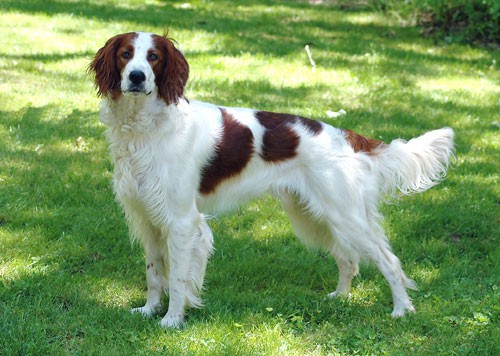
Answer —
280 141
362 144
232 154
271 120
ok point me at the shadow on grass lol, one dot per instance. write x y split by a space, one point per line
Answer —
52 176
48 57
252 27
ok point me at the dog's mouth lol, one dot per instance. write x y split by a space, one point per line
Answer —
136 91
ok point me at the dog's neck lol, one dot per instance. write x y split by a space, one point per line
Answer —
140 114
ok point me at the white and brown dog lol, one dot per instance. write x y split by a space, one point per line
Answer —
175 160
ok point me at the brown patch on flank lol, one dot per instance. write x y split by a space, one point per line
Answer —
232 154
280 141
362 144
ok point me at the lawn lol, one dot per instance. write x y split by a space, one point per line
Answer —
68 272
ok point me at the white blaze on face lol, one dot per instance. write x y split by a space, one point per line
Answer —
138 76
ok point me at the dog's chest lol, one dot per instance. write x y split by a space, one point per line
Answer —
136 172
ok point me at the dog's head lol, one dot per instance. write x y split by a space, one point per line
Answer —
139 63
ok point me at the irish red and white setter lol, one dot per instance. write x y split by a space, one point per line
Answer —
177 159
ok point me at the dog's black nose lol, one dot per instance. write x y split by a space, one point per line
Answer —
137 76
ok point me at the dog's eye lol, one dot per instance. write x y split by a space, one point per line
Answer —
153 57
126 55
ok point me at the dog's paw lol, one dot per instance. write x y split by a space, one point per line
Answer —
172 321
399 312
339 294
146 310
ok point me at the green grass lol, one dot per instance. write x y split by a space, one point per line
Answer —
68 272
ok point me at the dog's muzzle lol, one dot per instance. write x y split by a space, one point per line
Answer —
137 79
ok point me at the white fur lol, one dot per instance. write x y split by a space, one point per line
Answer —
329 192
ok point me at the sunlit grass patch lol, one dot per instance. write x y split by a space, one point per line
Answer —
469 86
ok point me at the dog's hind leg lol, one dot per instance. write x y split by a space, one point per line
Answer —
390 266
348 268
311 232
316 234
370 242
351 234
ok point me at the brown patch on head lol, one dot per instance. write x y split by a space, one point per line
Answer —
362 144
171 70
125 52
232 154
280 140
108 63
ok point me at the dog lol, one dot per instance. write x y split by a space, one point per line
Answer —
176 160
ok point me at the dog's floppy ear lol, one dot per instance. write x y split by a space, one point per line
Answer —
175 72
105 70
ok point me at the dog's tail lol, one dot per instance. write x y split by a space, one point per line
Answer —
416 165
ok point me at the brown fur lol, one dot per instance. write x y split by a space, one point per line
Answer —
361 143
233 152
107 65
280 141
171 77
171 69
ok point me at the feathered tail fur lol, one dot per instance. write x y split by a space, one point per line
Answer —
418 164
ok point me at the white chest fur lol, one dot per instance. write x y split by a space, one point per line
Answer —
157 155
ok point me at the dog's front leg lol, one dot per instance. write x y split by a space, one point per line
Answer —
154 248
180 238
156 276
